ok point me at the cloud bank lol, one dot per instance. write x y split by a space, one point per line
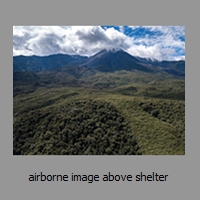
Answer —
154 42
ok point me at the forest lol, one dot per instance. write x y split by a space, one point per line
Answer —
98 113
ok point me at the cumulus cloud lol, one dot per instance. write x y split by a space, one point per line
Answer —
155 42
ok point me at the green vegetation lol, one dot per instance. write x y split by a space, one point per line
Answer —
79 127
119 113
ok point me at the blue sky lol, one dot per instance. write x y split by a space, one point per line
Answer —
154 42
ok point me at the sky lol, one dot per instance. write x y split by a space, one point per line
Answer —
154 42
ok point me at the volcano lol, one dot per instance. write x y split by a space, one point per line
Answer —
110 60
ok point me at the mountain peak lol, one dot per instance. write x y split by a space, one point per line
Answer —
113 49
107 51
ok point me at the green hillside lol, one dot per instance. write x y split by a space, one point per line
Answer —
96 113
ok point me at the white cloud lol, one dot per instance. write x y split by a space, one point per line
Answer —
88 40
161 44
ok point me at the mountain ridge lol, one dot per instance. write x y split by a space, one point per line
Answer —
106 60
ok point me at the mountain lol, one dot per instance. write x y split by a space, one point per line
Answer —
107 60
113 60
172 67
39 63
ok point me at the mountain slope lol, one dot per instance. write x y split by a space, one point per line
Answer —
110 61
172 67
37 63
